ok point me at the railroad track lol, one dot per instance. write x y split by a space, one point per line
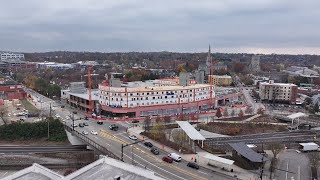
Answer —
264 138
42 149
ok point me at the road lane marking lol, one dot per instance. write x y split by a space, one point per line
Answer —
107 134
202 172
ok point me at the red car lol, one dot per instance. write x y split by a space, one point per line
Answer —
167 159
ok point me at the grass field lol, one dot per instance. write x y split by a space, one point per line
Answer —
28 106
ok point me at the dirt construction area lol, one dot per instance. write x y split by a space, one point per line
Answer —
18 111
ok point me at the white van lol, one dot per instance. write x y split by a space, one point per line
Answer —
175 157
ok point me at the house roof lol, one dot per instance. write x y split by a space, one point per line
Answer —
247 152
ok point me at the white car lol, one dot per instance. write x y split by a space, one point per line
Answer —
74 125
133 137
94 132
84 133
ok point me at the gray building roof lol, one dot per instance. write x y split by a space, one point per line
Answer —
246 152
102 169
35 171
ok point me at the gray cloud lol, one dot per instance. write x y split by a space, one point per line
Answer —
264 26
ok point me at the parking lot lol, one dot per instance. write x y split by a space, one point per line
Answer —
17 112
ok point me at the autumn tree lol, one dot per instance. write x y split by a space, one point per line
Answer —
158 119
30 80
157 131
219 113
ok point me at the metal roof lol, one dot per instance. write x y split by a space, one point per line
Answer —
297 115
35 171
219 159
190 130
246 152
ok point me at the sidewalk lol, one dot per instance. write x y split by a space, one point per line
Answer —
201 160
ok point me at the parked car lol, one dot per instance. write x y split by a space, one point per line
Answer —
85 124
193 165
81 125
175 157
167 159
155 151
86 118
133 137
135 121
74 125
84 133
113 127
94 132
148 144
100 122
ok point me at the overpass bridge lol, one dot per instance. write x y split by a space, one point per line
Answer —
90 142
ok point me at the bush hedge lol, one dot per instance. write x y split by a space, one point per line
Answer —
30 131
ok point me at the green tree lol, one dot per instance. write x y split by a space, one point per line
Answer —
41 86
219 113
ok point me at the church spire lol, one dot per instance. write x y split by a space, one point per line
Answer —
208 62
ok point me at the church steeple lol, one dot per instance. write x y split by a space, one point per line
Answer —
208 62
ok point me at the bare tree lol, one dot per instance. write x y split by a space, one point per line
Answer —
276 148
178 137
219 113
225 113
249 110
233 113
314 158
167 119
260 111
241 114
147 122
4 113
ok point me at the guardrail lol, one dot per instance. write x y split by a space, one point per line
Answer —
92 143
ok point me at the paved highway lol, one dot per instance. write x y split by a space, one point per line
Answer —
136 154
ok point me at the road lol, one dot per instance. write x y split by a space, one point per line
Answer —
136 154
247 96
289 162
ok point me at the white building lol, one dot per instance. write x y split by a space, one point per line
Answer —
7 56
54 65
301 71
282 92
155 97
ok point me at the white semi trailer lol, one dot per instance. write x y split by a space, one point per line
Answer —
311 146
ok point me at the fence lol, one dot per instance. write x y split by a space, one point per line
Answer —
92 143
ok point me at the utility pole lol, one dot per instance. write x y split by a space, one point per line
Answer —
49 122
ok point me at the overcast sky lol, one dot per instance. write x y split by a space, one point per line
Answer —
258 26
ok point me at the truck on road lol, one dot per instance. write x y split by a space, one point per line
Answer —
311 146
